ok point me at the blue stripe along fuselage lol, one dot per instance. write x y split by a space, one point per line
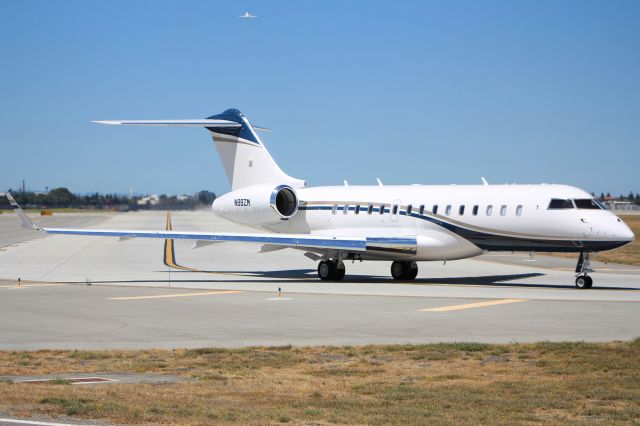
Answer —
496 242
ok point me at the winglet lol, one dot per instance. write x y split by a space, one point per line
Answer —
26 222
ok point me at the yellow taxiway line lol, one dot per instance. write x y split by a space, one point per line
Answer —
167 296
473 305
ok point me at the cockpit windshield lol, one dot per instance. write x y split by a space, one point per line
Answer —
588 203
577 203
557 204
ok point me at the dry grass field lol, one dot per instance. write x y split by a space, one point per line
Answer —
466 383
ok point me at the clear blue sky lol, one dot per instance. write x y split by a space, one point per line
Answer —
411 92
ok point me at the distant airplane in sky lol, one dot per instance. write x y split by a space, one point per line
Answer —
402 224
247 15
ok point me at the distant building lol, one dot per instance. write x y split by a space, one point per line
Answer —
620 205
151 200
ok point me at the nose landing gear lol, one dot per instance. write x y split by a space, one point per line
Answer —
583 268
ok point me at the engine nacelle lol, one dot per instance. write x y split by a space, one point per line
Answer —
258 204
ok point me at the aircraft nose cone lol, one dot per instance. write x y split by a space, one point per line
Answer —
625 232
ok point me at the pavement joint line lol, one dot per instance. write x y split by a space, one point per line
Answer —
472 305
167 296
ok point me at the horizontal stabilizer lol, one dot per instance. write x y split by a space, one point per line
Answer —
206 122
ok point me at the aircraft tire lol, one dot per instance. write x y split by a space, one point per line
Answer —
411 271
584 282
398 270
326 270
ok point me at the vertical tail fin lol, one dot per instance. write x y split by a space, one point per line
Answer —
244 157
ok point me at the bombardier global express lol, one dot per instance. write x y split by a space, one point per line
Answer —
398 223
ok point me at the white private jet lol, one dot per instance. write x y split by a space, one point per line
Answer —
403 224
247 15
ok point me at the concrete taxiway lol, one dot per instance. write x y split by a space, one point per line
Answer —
135 301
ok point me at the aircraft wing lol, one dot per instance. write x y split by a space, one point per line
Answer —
288 240
307 241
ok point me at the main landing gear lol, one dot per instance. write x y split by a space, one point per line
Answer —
330 270
583 268
404 270
333 270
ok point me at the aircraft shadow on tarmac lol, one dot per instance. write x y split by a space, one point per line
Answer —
309 276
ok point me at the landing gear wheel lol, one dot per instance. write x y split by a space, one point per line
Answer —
326 270
397 270
331 271
589 282
584 282
412 271
404 270
583 267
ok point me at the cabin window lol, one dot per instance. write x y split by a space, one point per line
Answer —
422 209
345 209
503 210
461 210
382 209
557 204
334 209
370 209
358 209
409 208
587 203
395 209
489 210
519 210
475 210
447 211
435 209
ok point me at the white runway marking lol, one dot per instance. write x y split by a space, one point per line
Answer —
14 286
280 298
168 296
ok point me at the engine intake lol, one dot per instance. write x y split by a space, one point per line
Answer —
284 201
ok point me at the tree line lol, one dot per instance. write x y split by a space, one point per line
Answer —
633 198
63 198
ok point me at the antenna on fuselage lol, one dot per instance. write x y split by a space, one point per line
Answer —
484 181
379 182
